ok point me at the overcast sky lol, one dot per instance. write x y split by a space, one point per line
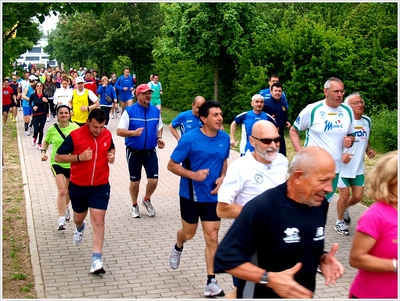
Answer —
49 24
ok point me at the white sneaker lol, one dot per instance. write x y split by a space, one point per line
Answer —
175 258
341 228
97 267
48 119
78 236
26 133
212 289
135 211
149 208
346 216
67 214
61 223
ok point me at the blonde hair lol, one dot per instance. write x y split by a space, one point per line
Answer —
381 177
104 78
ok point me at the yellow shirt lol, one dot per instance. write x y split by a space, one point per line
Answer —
77 102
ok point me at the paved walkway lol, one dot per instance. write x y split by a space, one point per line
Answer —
135 251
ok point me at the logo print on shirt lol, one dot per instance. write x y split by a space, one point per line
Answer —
330 126
319 235
322 115
258 178
105 144
292 235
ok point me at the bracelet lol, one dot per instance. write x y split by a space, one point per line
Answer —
43 150
88 109
159 138
77 157
395 265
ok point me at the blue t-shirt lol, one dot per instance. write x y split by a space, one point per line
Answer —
248 119
266 93
186 122
202 152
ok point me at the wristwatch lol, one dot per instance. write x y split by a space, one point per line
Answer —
264 279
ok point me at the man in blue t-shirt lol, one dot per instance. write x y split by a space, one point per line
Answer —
266 93
188 120
125 86
203 153
247 119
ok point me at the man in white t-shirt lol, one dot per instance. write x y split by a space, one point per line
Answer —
253 173
352 168
329 124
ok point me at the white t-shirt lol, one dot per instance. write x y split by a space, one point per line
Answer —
62 96
362 128
246 178
326 127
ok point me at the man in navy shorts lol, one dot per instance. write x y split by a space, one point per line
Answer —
89 149
202 172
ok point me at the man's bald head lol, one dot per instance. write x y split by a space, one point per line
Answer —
308 158
264 129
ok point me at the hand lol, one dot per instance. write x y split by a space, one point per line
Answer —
125 88
200 175
288 125
284 285
160 143
138 131
86 155
347 141
371 153
331 268
45 99
346 158
218 183
35 108
233 143
110 158
84 108
44 157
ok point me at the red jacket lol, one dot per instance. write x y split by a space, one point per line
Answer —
96 171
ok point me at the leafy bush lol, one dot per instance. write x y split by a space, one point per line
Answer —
384 131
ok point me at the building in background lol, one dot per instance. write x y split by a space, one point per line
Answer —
36 56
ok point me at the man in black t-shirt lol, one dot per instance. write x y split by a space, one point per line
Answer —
283 229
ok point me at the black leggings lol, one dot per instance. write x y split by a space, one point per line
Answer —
106 111
38 125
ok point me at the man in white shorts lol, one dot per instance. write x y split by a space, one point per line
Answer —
352 167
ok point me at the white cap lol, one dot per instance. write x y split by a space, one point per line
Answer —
257 96
32 77
79 80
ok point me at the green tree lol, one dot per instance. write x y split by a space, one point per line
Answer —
21 32
208 33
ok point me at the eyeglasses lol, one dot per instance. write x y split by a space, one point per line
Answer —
356 103
268 140
338 91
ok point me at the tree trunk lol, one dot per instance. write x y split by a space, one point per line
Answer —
216 79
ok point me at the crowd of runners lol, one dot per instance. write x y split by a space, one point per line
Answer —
292 226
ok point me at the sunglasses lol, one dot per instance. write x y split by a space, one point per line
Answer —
268 140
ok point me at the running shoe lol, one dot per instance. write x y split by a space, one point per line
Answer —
61 225
78 236
346 216
341 228
26 133
97 267
213 290
67 214
135 211
33 141
39 146
175 258
149 208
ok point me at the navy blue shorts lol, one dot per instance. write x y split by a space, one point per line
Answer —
58 170
191 211
142 158
6 108
84 197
